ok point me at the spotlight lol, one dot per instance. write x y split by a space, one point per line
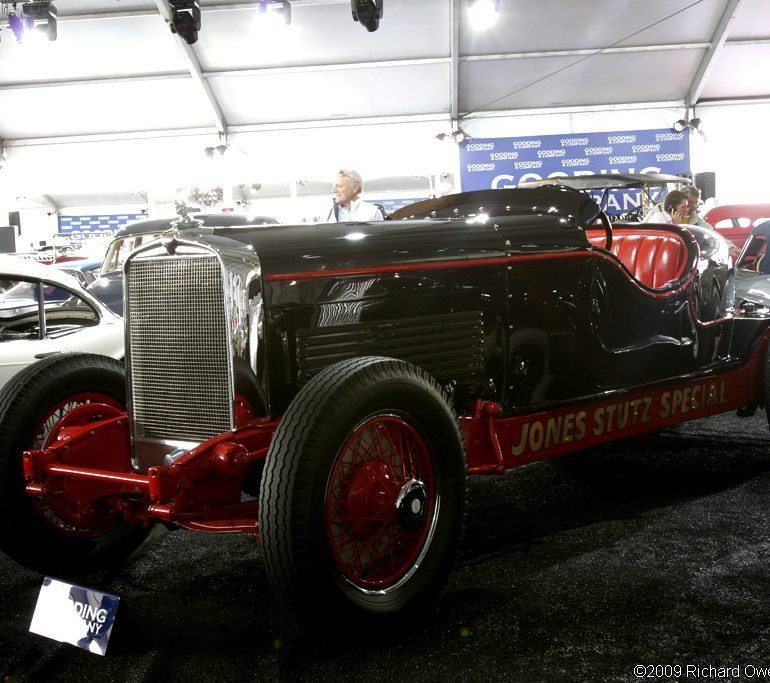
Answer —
368 12
38 15
460 136
694 123
218 151
185 19
275 10
16 25
680 125
483 13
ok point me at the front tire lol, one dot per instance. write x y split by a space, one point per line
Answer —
52 534
361 504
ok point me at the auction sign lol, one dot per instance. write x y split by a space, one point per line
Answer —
494 163
84 227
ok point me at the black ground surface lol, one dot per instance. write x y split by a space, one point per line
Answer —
579 569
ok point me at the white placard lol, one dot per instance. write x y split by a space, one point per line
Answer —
74 614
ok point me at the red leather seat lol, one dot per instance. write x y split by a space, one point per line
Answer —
655 259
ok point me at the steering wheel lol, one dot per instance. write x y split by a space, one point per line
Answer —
636 215
607 229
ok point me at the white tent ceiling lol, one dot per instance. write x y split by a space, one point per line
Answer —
423 61
118 78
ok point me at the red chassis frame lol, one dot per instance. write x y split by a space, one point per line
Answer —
201 490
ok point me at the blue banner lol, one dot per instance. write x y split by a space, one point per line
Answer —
505 162
391 205
83 227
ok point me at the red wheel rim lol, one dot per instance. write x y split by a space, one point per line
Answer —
67 516
381 503
48 429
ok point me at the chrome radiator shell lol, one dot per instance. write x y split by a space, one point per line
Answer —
192 312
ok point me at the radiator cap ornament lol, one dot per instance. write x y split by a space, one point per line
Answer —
185 220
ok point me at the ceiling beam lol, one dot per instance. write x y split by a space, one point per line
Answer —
246 128
61 83
436 117
310 68
49 202
194 68
718 41
584 52
224 73
454 60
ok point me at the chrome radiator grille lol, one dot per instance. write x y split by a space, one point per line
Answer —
178 345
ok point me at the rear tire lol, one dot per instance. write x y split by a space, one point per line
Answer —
42 532
361 504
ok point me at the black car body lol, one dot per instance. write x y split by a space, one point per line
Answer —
327 388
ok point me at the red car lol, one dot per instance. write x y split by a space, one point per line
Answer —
736 221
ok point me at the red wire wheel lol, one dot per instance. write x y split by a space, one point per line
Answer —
57 533
69 517
362 496
381 503
64 414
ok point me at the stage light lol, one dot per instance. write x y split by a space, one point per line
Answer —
16 25
460 136
215 152
185 19
39 15
483 13
694 123
680 125
275 11
367 12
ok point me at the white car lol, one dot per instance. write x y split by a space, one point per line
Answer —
44 311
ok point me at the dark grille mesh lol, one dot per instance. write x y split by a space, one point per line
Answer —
180 382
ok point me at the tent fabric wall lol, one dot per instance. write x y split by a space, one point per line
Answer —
731 144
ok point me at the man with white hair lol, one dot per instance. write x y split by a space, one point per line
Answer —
346 188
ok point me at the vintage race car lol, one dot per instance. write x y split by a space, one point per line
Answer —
329 388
